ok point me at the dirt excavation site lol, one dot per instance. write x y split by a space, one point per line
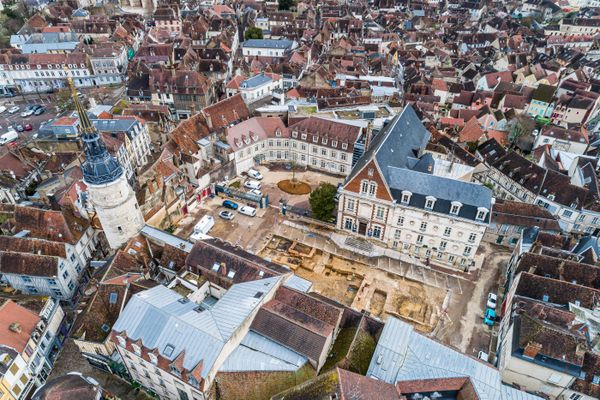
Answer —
360 286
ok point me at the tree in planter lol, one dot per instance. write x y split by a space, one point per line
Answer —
322 201
253 33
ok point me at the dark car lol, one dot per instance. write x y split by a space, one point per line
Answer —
230 204
19 128
39 111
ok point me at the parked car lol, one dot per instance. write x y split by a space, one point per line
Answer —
19 128
230 204
250 184
492 301
39 111
204 225
483 356
9 94
28 127
2 109
27 113
228 215
490 317
256 192
13 110
247 210
254 174
9 137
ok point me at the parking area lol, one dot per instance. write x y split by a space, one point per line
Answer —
7 119
274 175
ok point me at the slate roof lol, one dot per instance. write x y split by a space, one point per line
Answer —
268 43
398 151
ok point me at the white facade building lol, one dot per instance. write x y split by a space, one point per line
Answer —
394 196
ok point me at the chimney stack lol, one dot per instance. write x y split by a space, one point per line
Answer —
532 349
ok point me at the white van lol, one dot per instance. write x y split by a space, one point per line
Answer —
250 184
254 174
247 210
205 224
8 137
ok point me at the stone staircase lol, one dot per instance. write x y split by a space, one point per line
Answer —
359 244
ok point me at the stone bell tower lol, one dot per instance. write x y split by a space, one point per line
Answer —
110 193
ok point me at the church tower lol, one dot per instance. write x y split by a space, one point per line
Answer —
110 193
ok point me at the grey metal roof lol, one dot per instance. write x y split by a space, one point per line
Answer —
167 238
162 317
255 81
297 283
268 43
259 353
114 125
403 354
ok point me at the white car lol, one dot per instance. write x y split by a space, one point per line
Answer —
13 110
2 109
252 184
254 174
492 301
26 113
256 192
483 356
247 210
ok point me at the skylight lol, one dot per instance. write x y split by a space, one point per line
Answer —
168 351
112 298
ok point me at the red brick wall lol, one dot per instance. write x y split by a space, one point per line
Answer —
354 184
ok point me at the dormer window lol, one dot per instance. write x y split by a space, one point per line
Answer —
303 136
551 197
481 213
429 202
294 134
193 382
122 341
344 146
324 141
315 139
334 143
175 371
406 195
137 349
153 358
455 208
278 132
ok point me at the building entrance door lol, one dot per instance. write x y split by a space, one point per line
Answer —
362 228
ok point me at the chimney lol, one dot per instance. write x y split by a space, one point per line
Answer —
532 349
15 327
208 121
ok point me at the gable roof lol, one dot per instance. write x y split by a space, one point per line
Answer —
10 313
403 354
160 317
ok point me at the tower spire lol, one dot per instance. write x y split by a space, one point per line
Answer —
99 167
